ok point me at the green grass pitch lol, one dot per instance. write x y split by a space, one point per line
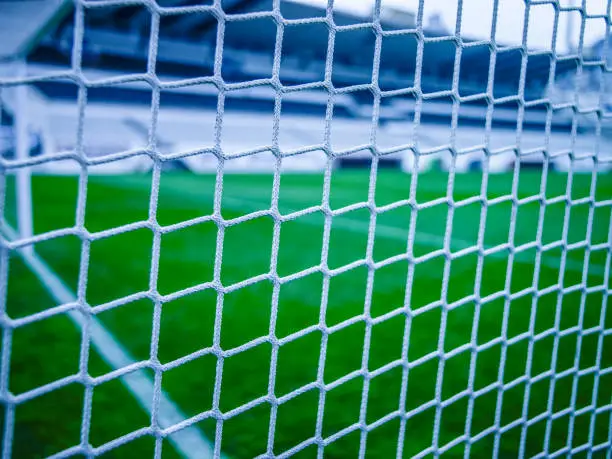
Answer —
47 350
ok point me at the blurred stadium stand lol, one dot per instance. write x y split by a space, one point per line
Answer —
116 43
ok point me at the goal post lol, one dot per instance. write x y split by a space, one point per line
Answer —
22 144
23 25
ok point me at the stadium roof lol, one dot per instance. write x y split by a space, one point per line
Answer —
117 38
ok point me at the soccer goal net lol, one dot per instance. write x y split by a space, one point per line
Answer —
302 228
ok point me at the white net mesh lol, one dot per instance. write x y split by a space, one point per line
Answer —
528 423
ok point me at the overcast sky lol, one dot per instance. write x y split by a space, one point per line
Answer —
477 14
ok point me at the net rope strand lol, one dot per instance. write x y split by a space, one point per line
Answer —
449 251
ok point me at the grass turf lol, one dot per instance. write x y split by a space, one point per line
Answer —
47 350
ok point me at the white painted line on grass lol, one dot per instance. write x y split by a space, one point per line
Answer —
189 442
389 232
420 238
385 231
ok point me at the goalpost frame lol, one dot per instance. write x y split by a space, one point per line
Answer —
23 175
14 55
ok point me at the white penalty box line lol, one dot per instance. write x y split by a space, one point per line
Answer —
189 441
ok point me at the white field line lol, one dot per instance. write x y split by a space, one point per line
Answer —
421 238
386 231
189 442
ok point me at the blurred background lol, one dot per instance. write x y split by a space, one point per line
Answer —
116 44
387 242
